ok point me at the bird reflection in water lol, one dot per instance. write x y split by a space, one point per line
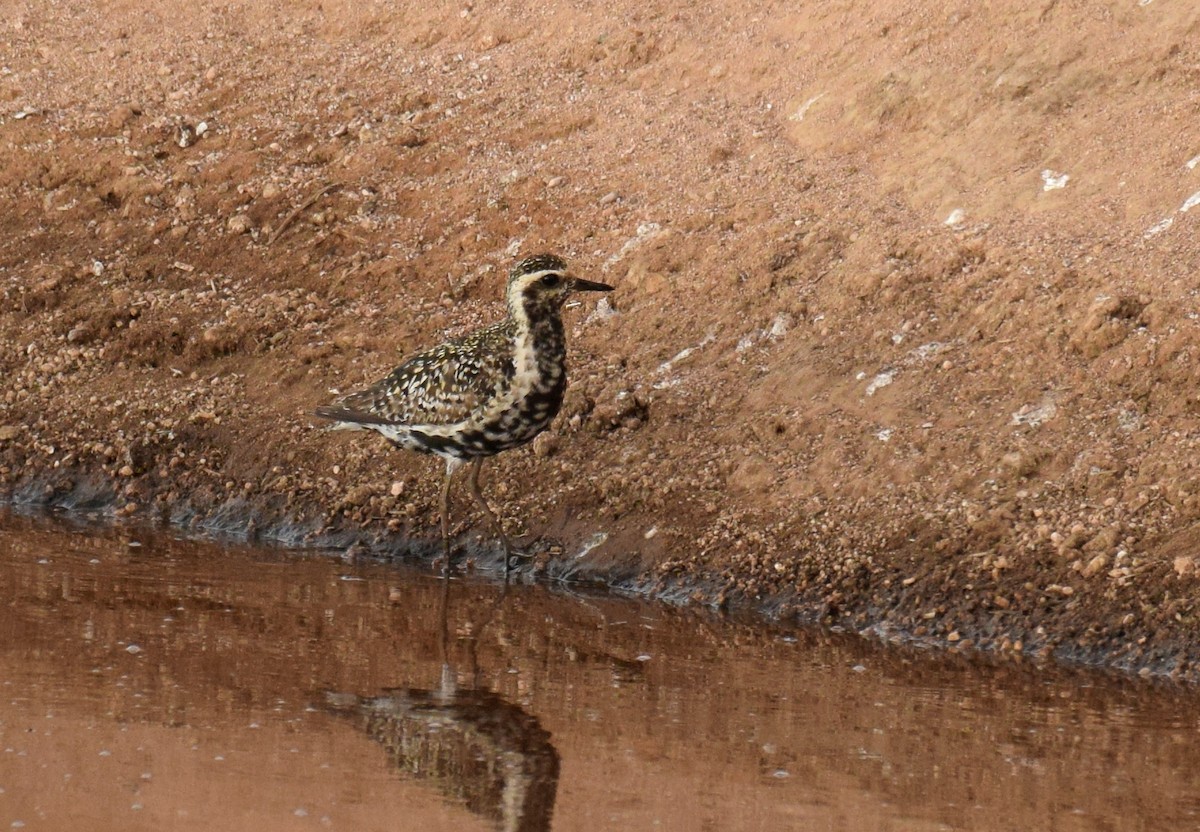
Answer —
474 746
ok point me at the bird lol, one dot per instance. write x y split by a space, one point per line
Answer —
481 394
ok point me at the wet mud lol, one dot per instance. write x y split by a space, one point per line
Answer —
150 683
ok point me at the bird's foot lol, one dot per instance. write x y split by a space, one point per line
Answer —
515 559
518 557
445 565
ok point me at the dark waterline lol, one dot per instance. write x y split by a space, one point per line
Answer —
150 683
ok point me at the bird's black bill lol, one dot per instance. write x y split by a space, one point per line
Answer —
578 284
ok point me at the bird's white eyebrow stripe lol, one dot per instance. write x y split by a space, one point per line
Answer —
544 272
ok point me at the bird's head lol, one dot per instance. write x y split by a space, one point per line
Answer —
543 282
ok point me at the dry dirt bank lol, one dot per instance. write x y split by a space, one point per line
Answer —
906 333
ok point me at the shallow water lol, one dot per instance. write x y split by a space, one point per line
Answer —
149 683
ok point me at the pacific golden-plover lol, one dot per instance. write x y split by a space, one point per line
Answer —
481 394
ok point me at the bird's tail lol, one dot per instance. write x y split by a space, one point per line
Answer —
347 419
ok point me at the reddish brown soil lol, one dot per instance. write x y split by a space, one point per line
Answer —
767 186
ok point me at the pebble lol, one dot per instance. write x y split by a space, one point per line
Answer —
239 224
555 181
409 137
545 445
608 198
121 116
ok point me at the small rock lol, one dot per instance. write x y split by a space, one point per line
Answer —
1095 566
608 198
1053 180
1185 565
603 311
545 445
1020 464
1104 542
9 432
270 191
239 224
880 381
1108 322
357 496
780 326
409 137
555 181
122 115
1035 415
126 471
397 488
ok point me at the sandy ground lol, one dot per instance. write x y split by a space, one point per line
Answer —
906 331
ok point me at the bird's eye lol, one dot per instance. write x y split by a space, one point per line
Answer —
551 280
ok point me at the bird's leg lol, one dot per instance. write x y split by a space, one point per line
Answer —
509 552
449 678
451 464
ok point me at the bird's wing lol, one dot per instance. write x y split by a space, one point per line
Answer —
441 386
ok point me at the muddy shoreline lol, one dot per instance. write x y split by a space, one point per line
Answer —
82 497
